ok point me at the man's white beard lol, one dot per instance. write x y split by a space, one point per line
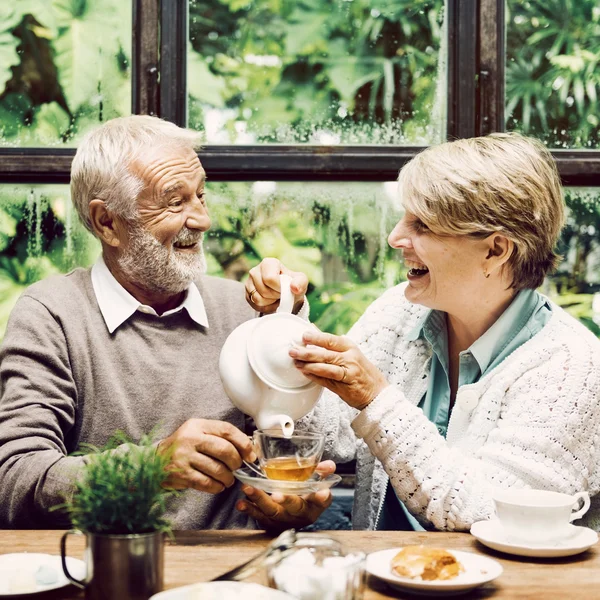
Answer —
150 265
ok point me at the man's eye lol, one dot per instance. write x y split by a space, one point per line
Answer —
420 226
176 202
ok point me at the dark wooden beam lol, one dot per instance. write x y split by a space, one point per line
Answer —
462 67
144 53
281 163
173 61
491 69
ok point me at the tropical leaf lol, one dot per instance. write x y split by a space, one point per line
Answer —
90 38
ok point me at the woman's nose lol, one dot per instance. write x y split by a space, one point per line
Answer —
399 237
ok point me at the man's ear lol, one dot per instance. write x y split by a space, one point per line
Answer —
500 249
103 223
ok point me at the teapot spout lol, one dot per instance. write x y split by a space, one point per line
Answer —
283 422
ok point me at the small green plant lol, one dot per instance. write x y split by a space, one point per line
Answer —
120 491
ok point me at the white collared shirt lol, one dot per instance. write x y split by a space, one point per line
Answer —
117 304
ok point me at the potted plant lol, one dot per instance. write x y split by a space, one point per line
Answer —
119 504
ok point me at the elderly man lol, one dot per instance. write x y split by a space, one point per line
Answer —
133 343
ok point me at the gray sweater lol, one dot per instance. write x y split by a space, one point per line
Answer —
65 380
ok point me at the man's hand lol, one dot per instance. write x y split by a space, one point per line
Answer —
262 286
278 512
204 453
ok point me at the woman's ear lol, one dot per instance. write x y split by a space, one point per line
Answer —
500 249
103 223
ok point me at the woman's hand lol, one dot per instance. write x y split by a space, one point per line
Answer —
263 289
335 362
278 512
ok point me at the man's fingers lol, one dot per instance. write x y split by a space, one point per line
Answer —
202 483
249 509
294 505
326 467
262 501
226 431
212 468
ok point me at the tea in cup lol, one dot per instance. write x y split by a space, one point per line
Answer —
292 458
538 516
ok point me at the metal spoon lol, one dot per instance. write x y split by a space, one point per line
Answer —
278 548
254 468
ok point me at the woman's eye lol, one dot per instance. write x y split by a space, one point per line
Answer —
176 202
420 226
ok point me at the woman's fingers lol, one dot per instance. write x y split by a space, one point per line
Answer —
315 354
337 343
324 370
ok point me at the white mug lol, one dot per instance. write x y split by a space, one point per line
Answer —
538 516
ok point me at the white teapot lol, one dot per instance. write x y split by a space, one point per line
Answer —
259 375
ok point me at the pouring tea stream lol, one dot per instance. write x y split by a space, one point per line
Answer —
257 372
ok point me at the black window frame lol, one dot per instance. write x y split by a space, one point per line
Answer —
476 72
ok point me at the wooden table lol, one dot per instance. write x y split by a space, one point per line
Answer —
201 555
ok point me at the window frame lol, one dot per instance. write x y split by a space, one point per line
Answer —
475 103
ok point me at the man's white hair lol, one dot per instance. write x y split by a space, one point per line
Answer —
101 167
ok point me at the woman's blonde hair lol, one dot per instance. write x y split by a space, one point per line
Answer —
101 170
504 183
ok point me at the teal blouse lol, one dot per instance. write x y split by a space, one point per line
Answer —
525 316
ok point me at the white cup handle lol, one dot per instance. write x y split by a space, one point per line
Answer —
286 302
586 504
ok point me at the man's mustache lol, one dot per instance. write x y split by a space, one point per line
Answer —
188 236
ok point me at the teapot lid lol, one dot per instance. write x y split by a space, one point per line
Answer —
268 351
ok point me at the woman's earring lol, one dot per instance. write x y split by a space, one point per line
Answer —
486 275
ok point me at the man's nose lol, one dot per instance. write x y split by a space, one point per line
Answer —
399 236
197 217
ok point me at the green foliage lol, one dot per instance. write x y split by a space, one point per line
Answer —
364 71
553 74
64 66
39 236
120 489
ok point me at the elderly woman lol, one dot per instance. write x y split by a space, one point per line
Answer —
464 378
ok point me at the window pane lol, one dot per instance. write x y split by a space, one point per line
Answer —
334 232
340 72
40 235
552 74
64 67
576 285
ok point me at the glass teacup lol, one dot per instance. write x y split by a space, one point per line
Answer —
291 458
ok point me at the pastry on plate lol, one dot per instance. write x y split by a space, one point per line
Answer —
428 564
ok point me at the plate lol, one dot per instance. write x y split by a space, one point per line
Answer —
17 572
313 484
491 534
478 570
222 590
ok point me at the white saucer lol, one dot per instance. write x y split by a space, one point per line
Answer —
477 571
491 534
313 484
17 572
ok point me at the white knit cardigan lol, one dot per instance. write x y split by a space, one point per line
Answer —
533 421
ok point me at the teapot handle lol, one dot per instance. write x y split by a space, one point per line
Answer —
286 302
